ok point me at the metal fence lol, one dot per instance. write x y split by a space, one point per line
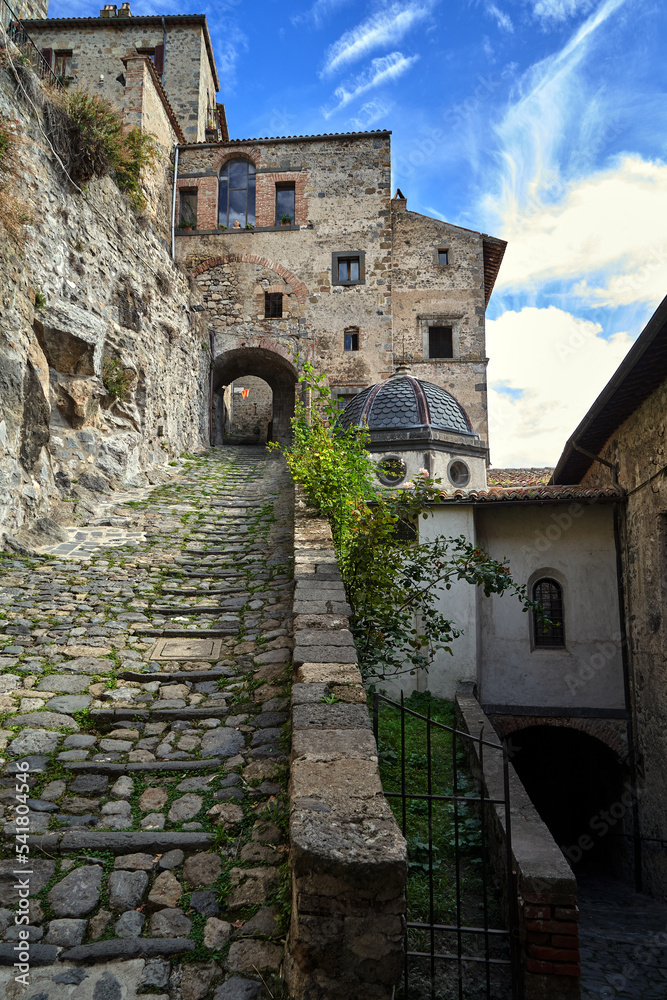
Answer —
461 939
13 30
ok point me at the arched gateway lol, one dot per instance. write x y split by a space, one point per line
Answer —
264 363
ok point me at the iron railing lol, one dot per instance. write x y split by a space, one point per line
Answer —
14 30
459 957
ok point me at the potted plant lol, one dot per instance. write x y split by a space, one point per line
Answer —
220 226
249 225
186 225
285 220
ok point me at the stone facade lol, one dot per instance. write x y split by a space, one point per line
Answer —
637 450
89 284
249 411
342 208
98 46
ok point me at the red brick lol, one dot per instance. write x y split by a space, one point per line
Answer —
532 965
552 926
565 941
546 954
537 912
566 913
566 970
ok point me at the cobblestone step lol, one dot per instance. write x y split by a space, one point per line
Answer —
156 791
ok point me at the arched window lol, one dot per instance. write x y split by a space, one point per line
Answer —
549 594
236 202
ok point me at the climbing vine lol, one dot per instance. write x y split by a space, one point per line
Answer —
394 582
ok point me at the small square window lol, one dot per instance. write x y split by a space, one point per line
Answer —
443 256
187 207
440 342
273 305
352 340
348 268
62 63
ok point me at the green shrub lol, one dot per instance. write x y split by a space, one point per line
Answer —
87 132
116 379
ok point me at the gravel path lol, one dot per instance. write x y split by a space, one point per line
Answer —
144 684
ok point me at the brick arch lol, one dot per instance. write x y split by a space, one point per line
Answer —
612 735
225 155
298 287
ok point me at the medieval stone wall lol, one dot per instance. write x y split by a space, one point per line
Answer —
426 294
90 283
250 407
638 448
98 50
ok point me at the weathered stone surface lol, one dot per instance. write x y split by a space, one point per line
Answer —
44 720
87 664
202 869
222 742
216 933
254 956
152 798
78 893
90 784
34 741
156 972
126 889
170 923
184 808
172 859
251 885
130 924
227 814
64 682
205 902
42 871
197 978
66 932
123 787
165 892
263 924
237 988
135 862
99 923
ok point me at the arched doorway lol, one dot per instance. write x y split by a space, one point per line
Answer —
582 792
251 368
247 411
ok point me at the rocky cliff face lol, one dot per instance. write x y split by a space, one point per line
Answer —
91 296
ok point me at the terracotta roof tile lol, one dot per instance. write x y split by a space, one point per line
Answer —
518 477
535 494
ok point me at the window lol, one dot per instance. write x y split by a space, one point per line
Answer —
62 63
187 207
458 473
284 203
391 471
237 194
440 342
273 305
443 256
348 268
351 339
549 594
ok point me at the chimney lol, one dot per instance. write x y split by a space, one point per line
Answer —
125 10
399 203
109 10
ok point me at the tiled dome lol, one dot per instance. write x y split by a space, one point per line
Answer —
402 402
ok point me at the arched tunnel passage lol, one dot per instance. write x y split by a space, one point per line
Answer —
582 792
272 368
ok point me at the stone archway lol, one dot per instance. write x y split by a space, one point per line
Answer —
271 366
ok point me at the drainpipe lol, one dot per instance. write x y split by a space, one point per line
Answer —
629 707
164 50
173 206
211 408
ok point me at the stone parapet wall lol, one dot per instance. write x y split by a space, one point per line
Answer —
349 858
545 888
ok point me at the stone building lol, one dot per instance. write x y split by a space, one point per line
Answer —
620 444
90 51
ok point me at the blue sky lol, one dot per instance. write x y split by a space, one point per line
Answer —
543 122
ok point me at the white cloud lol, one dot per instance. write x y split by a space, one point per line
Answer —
607 230
319 12
370 113
503 20
556 364
227 54
383 70
559 10
386 27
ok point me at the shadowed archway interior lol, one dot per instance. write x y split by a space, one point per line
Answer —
279 373
582 792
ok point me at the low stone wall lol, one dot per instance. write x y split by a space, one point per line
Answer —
349 858
545 887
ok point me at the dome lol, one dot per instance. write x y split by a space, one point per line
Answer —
402 402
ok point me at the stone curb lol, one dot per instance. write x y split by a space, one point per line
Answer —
119 843
349 858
